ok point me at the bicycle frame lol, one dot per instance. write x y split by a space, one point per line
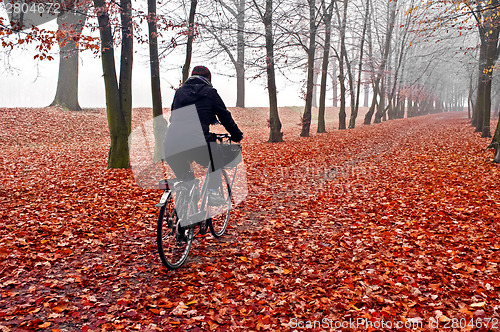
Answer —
195 210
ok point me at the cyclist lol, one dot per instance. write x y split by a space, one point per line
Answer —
188 137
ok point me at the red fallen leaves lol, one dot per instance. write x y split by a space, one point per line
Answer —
393 222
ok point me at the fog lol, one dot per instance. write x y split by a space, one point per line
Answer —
25 82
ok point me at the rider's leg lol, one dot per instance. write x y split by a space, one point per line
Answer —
215 175
181 166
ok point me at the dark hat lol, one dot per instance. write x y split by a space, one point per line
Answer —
202 71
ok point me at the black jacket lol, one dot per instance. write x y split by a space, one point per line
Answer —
209 105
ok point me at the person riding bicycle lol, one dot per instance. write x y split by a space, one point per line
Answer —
195 107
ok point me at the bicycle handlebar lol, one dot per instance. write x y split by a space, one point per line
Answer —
220 137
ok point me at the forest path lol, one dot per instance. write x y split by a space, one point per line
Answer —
396 222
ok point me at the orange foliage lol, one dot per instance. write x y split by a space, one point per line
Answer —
396 222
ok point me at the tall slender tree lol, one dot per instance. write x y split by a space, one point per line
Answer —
70 24
159 123
489 29
223 31
377 90
401 53
354 113
118 95
191 34
311 50
327 18
342 57
275 134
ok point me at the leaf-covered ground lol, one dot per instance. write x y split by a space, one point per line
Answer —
395 223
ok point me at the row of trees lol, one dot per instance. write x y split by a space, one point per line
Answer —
482 17
414 59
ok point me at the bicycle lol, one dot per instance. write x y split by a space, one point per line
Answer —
174 240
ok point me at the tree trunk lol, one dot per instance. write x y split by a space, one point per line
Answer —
118 156
497 106
390 27
341 57
306 117
354 113
342 113
351 86
416 107
401 107
324 69
275 134
389 110
366 96
126 60
240 61
159 123
314 99
380 114
477 120
189 46
495 143
67 82
237 60
408 106
381 104
471 106
334 85
485 131
491 57
371 111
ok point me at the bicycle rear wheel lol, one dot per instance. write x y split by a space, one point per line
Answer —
173 242
220 214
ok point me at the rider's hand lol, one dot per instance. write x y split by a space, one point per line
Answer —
237 139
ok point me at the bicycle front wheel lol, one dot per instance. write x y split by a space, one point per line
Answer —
220 214
173 241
